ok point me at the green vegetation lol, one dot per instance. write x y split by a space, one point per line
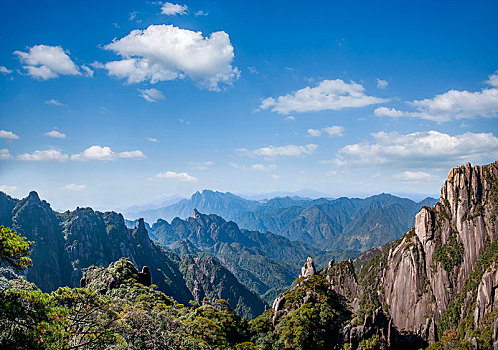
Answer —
14 249
449 255
458 320
313 324
114 311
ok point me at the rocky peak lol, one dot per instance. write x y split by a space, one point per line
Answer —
141 234
308 269
196 215
33 198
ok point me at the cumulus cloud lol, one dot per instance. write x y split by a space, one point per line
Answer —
151 95
416 176
174 176
5 154
73 187
55 134
420 149
329 130
171 9
44 155
290 117
152 139
254 167
493 79
165 52
45 62
452 105
334 130
314 132
280 151
106 154
201 165
382 84
9 135
4 70
327 95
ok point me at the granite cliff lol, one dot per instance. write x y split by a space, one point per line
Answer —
437 284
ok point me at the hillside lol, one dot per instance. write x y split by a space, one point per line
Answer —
67 243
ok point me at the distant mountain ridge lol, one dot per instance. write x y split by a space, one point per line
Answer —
338 224
67 243
264 262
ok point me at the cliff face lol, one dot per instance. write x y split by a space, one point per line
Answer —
430 266
439 281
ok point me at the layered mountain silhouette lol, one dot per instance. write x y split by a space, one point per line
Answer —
330 224
67 243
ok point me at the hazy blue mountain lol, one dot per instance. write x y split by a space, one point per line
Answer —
337 224
264 262
67 243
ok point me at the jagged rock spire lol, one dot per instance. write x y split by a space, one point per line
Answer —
309 268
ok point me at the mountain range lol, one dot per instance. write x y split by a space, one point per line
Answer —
328 224
67 243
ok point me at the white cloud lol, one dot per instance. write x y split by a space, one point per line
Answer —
45 62
254 167
4 70
330 130
201 13
171 9
55 134
165 52
314 132
430 148
264 168
493 79
152 139
382 84
334 130
388 112
290 117
327 95
8 135
416 176
54 102
88 72
5 154
171 175
280 151
151 95
73 187
452 105
8 189
44 155
106 154
201 165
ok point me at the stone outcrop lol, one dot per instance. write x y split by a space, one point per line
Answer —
308 269
431 264
144 277
416 278
487 294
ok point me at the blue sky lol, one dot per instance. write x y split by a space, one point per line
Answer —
115 103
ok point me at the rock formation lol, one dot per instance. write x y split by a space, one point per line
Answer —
308 269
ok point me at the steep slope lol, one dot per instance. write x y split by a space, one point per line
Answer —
67 243
439 281
35 220
264 262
